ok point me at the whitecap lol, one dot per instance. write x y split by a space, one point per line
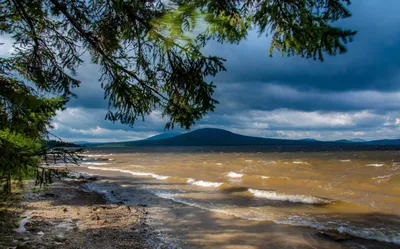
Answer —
375 165
272 195
234 175
378 233
90 155
275 177
345 160
204 183
135 173
94 163
299 162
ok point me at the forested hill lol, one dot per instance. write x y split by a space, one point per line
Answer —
219 137
212 137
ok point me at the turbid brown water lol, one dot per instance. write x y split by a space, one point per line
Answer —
263 200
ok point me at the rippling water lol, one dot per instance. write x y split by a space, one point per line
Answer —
356 193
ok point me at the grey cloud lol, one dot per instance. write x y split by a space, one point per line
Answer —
352 95
264 96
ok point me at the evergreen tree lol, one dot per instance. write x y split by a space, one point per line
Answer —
149 53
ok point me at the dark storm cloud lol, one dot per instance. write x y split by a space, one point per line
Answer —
269 96
372 62
352 95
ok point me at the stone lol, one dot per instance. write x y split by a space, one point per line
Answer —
60 238
336 236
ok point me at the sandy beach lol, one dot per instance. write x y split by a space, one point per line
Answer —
67 215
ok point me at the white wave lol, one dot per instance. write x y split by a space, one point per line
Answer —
219 164
248 161
94 163
159 177
375 165
345 160
137 166
78 175
272 195
97 155
382 177
234 175
300 162
90 155
204 183
270 177
135 173
379 233
370 233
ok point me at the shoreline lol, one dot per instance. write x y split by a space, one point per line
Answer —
94 209
68 215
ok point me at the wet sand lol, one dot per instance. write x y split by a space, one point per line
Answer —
66 215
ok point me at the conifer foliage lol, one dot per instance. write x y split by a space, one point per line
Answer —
150 54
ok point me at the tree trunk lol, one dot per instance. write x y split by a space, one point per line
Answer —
7 186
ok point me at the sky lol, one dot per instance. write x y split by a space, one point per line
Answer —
355 95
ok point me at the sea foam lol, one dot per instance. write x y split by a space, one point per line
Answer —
204 183
375 165
234 175
135 173
272 195
94 163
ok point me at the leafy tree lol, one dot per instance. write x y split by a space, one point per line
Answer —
149 53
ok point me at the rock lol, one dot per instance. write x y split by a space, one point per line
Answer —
65 210
101 222
336 236
49 195
60 238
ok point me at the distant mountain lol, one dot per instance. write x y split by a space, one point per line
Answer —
309 139
343 141
164 135
212 137
357 140
383 142
219 137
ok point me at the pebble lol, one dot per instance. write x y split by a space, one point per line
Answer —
60 238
